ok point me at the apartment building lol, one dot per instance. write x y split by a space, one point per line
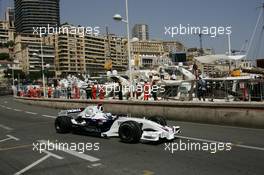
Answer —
141 31
7 29
32 58
30 14
153 48
173 46
76 53
27 50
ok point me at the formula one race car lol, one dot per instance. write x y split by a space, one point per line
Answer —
93 121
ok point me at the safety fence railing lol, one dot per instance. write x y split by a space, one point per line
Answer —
203 89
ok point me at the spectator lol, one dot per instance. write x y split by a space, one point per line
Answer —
49 92
201 88
88 91
38 93
56 93
34 92
212 88
195 70
120 93
161 73
30 92
138 91
68 92
101 93
154 91
76 92
94 92
146 91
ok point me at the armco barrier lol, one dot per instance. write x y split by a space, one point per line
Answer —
248 114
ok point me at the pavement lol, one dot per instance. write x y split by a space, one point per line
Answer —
26 131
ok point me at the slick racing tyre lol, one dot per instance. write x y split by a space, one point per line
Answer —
130 132
159 120
63 124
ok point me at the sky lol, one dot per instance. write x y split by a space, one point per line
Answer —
241 15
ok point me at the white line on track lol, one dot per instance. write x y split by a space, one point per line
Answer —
33 113
6 127
237 145
94 165
9 137
49 116
8 108
72 152
18 110
48 154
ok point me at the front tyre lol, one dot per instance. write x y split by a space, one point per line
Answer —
63 124
130 132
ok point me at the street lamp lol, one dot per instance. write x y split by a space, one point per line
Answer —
118 17
47 72
42 68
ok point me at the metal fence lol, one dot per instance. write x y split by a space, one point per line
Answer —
229 90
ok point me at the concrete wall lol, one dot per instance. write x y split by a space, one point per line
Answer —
248 114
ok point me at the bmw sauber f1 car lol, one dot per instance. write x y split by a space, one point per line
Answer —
93 121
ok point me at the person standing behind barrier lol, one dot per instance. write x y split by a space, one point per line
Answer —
212 90
201 88
49 92
68 92
162 73
101 93
93 92
88 91
138 91
56 93
195 70
30 92
34 92
38 93
120 92
146 91
154 91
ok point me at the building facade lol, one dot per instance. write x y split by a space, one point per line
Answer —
4 32
88 54
7 29
173 46
32 58
36 13
27 51
150 62
153 48
141 31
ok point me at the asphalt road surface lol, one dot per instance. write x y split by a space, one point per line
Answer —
25 129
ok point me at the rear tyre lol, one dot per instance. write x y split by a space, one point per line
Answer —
130 132
63 124
159 120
